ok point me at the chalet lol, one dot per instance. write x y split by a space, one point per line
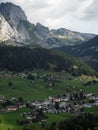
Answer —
29 117
13 99
24 75
36 103
94 97
11 108
95 103
22 106
65 98
88 94
46 102
50 98
56 99
63 105
87 105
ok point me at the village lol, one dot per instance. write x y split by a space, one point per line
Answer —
70 102
55 105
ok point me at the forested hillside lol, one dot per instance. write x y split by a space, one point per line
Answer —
23 58
87 51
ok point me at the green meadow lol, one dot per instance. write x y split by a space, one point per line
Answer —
37 90
8 120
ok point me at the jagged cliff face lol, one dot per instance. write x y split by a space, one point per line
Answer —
14 27
45 37
68 37
12 13
5 29
11 26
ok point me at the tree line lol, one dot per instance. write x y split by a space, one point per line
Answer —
24 58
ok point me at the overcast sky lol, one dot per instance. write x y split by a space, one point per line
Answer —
77 15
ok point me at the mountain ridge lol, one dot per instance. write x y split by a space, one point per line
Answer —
14 27
87 51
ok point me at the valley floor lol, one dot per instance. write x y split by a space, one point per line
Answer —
37 99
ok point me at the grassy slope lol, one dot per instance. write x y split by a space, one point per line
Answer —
38 88
93 110
8 120
35 91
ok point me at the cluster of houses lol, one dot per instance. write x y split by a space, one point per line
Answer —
74 103
55 105
10 105
93 100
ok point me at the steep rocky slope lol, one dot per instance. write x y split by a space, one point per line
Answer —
15 29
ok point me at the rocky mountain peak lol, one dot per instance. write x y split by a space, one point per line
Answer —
60 31
15 27
42 30
11 23
12 13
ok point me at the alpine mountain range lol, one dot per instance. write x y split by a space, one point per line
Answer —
16 30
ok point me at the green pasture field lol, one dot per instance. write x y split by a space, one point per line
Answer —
8 119
38 90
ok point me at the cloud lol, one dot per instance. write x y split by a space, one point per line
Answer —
71 14
55 9
91 13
